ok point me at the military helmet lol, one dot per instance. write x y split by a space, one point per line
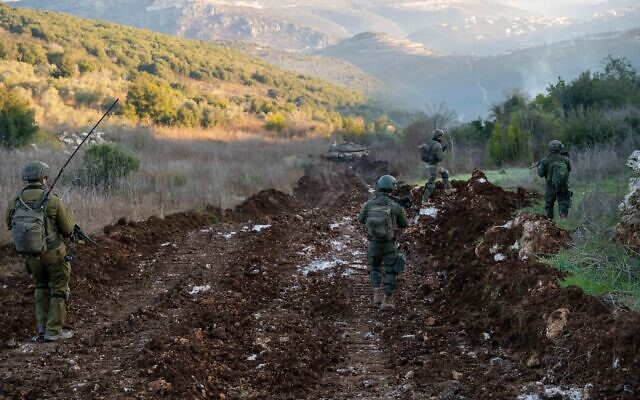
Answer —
387 183
34 171
437 134
555 146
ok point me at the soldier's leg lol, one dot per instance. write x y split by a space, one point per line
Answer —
549 201
38 272
389 259
59 273
430 186
445 177
564 203
374 263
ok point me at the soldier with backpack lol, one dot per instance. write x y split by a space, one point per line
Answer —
432 153
555 168
37 226
383 217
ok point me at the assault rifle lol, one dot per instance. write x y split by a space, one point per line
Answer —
80 235
77 232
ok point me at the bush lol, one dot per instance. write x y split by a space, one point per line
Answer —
17 119
275 122
104 164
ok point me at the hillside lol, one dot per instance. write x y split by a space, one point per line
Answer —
71 62
470 84
451 26
330 69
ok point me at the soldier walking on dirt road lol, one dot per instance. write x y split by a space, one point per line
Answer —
432 153
37 231
383 217
555 168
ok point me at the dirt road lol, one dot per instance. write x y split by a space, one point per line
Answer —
271 300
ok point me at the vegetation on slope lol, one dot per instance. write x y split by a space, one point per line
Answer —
61 61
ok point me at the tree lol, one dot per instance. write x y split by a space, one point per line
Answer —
151 99
17 119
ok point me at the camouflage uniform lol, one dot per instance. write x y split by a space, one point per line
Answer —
550 192
51 270
383 253
435 155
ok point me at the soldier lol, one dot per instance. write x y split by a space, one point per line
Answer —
383 217
432 153
37 234
555 168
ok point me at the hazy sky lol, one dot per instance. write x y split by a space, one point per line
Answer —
556 7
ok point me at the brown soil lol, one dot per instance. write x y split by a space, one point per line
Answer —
208 305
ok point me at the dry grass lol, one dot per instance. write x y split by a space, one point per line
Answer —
175 175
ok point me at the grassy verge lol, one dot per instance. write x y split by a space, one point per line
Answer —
595 262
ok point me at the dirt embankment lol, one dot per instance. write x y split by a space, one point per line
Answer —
496 317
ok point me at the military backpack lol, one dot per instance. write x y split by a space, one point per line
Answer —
29 227
380 222
427 153
559 175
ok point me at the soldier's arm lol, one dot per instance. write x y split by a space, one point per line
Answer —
439 153
8 216
568 161
362 217
61 216
401 217
542 168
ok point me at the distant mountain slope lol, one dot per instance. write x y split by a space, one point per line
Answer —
471 84
452 26
197 19
327 68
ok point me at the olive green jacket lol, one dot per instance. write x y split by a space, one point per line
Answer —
57 214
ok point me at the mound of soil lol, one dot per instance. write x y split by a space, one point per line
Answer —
331 184
507 305
266 202
524 237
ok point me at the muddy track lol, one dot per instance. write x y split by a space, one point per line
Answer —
272 301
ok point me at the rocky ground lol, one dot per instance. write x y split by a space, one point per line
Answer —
270 301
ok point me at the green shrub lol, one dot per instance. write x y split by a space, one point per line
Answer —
509 145
17 119
149 98
105 164
275 122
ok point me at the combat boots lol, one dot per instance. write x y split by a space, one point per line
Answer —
386 303
377 296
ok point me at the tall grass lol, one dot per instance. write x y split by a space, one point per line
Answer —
174 175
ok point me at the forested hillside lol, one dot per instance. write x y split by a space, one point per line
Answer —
62 64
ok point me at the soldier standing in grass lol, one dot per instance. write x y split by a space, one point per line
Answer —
37 231
555 168
383 217
432 153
